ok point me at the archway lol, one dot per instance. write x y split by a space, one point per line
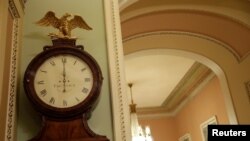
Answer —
198 47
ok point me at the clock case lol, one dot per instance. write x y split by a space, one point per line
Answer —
64 124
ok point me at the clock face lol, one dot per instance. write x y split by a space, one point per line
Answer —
63 81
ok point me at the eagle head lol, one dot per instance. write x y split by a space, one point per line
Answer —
66 15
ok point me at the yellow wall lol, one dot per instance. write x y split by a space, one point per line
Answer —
35 37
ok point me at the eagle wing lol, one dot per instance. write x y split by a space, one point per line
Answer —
49 20
77 21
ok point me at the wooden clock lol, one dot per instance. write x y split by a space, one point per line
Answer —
63 83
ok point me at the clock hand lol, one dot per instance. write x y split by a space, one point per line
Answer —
64 76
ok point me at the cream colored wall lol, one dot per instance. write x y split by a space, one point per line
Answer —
207 103
35 37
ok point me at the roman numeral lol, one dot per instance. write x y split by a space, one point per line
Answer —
64 60
83 69
77 99
40 82
43 71
52 63
87 79
85 90
75 62
43 92
52 100
65 103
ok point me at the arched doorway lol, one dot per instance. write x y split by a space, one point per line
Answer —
188 45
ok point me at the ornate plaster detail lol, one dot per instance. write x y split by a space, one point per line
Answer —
118 76
11 107
13 9
120 108
194 77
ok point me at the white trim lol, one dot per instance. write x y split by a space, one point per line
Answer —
117 76
186 137
203 127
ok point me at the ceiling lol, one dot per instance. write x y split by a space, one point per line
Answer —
163 83
154 75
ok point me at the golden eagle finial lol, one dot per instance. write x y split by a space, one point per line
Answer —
63 24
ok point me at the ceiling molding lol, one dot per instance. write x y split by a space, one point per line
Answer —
196 74
193 80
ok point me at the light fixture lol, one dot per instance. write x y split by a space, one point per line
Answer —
138 133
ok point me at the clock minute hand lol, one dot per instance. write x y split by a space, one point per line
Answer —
64 75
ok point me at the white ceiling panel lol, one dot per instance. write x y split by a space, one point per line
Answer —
154 74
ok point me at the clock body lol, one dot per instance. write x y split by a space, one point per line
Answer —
63 83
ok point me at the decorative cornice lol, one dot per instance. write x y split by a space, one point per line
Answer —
192 80
162 113
181 33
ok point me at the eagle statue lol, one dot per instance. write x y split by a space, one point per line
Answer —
63 24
